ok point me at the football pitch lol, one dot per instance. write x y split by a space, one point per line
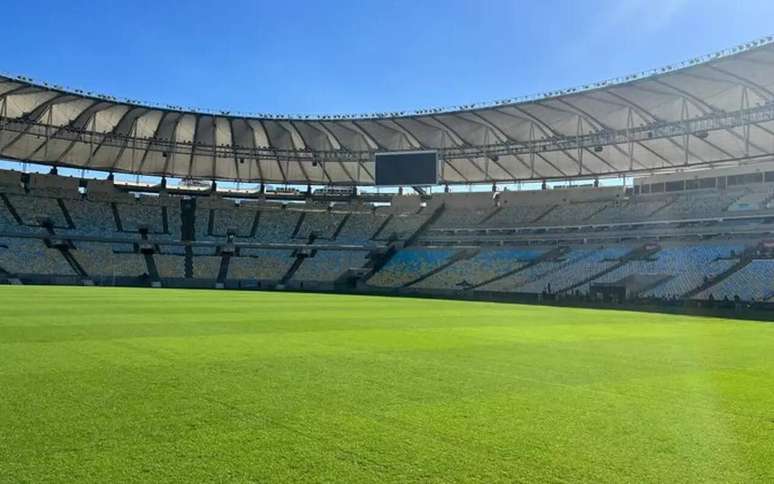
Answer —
113 384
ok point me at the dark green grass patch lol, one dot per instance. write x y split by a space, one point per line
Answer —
105 385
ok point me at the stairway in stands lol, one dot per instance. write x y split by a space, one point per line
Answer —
766 201
548 256
299 223
188 262
489 216
340 227
116 216
68 256
153 271
378 258
382 226
638 253
223 271
65 213
661 208
300 256
11 209
188 219
426 224
543 215
744 259
458 256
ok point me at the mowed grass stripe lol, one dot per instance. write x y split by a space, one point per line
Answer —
106 384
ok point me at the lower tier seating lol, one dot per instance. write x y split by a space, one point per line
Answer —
329 265
109 260
409 264
754 282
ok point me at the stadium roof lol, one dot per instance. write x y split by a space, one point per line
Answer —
708 111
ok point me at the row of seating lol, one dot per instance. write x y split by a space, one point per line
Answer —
683 267
754 282
409 264
478 269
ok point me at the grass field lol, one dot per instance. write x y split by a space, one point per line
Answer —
105 385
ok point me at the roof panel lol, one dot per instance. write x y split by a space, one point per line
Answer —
181 143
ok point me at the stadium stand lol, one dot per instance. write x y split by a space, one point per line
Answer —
754 282
556 273
683 267
691 212
401 226
170 266
321 224
277 225
237 221
141 215
206 267
107 261
329 265
260 264
31 256
557 243
409 264
360 228
482 267
577 266
38 210
91 218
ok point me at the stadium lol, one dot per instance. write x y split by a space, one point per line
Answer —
235 297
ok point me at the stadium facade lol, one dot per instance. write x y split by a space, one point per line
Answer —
695 226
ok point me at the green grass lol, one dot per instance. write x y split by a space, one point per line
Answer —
105 385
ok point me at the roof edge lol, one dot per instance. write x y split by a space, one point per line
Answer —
611 82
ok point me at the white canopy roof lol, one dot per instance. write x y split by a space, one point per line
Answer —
705 112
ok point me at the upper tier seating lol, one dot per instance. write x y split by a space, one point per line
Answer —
703 204
9 224
276 225
754 200
360 228
238 221
571 213
36 210
321 223
402 226
135 216
458 217
634 210
92 218
515 215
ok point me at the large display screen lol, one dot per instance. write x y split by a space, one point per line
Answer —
407 168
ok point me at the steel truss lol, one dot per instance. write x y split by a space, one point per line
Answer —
699 126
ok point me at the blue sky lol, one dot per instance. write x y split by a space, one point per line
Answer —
346 56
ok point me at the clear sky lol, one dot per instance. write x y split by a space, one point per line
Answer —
350 56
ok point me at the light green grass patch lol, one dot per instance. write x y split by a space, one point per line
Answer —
112 384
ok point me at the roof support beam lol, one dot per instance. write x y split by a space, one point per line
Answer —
333 137
705 108
148 147
593 121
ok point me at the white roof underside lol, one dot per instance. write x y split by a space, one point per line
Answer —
47 125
